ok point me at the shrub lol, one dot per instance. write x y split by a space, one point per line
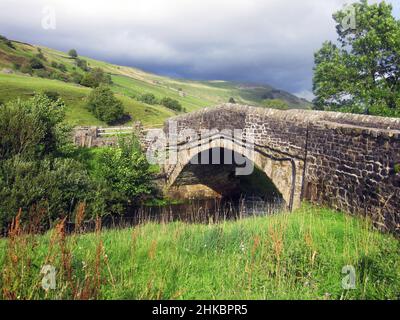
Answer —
171 104
54 64
82 64
62 67
95 77
232 100
125 173
55 185
103 104
72 53
32 128
52 95
35 63
148 98
76 77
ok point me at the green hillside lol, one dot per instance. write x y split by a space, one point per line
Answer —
128 83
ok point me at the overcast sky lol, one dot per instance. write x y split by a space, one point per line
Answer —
264 41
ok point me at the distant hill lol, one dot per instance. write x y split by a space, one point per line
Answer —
57 71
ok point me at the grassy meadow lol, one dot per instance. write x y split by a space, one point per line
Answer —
286 256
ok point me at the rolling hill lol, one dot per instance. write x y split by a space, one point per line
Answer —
128 83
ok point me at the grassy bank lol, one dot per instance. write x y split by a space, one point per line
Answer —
287 256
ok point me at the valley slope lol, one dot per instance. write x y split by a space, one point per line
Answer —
128 83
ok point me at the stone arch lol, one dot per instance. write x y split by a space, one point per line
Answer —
280 170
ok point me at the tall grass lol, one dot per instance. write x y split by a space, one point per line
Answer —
286 256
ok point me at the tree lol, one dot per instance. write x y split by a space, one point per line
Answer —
171 104
103 104
72 53
361 73
148 98
32 128
56 185
125 172
232 100
95 77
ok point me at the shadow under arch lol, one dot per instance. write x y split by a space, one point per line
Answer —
279 171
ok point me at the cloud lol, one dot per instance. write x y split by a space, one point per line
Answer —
268 41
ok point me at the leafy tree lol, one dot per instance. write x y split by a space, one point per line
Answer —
96 77
171 104
73 53
148 98
103 104
126 173
55 185
32 128
276 104
361 73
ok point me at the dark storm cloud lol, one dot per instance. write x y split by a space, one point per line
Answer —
266 41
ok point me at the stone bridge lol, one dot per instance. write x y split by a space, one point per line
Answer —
347 162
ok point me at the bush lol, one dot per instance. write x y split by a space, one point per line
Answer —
76 77
148 98
95 77
35 63
82 64
103 104
232 100
125 173
32 128
52 95
72 53
171 104
62 67
55 185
